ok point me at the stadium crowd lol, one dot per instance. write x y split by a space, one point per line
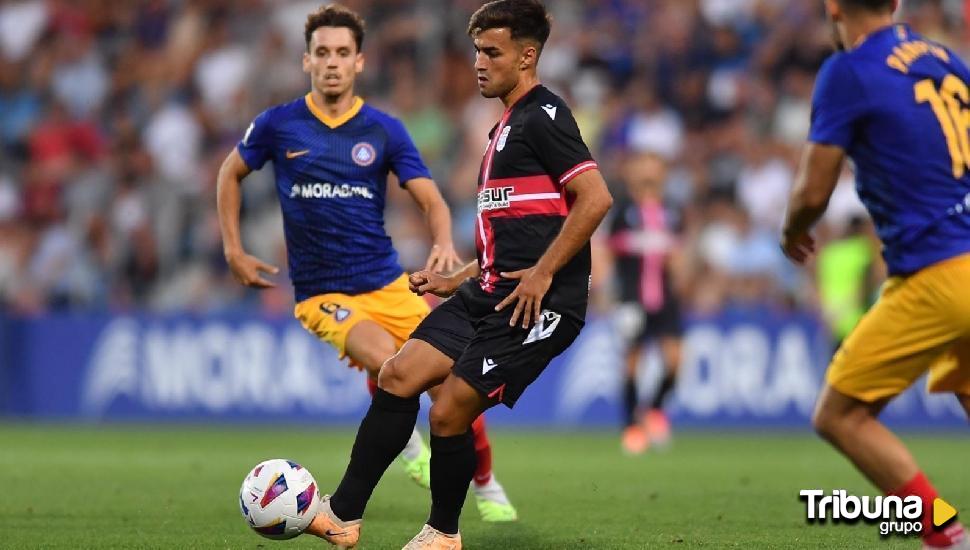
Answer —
115 115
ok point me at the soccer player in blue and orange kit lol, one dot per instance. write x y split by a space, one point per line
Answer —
331 156
896 104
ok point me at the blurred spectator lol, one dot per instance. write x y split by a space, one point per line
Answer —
114 117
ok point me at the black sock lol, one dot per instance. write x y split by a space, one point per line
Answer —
453 464
630 401
382 435
666 385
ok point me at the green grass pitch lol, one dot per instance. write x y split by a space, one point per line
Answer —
176 487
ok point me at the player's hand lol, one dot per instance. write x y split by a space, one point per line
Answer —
247 270
425 281
799 247
533 285
442 259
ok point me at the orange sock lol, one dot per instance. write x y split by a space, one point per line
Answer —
483 452
920 486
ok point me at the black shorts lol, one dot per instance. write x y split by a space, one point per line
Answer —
645 325
497 360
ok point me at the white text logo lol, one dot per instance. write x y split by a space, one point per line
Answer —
329 191
494 197
894 514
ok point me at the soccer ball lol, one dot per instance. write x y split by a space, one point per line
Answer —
278 499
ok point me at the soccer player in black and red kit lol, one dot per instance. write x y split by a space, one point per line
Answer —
522 302
643 240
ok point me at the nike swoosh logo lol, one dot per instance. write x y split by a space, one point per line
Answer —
294 154
330 533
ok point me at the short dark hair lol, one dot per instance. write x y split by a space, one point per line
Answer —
526 19
335 15
867 5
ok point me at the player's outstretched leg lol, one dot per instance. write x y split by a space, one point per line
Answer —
655 421
416 457
493 504
453 461
387 426
852 427
634 439
371 345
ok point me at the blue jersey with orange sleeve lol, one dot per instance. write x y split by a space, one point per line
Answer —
331 178
897 104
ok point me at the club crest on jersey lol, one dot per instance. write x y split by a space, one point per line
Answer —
494 197
502 138
363 154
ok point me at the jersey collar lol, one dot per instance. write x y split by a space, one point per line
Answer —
333 122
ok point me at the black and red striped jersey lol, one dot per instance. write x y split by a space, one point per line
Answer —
533 152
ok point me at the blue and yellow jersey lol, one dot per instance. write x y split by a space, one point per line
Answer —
331 177
897 104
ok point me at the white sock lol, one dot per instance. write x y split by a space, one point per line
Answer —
414 446
492 491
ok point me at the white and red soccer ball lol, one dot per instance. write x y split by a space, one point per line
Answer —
278 498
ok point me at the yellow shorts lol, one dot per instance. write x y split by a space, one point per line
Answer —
920 322
331 316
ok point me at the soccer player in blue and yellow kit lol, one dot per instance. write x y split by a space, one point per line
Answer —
331 156
896 104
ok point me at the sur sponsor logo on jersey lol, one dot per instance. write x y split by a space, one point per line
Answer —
491 198
895 515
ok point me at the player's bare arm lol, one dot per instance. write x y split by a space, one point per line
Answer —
591 202
430 281
245 268
817 177
443 257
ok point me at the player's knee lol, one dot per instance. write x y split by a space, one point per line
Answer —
391 377
833 423
823 422
446 420
376 357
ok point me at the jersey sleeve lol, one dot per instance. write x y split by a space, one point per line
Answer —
554 137
256 146
402 155
838 103
958 67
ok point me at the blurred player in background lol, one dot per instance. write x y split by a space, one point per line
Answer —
896 104
642 240
848 272
331 156
540 197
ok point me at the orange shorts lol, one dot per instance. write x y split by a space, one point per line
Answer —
920 323
331 316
